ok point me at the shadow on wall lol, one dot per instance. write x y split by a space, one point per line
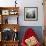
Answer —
37 29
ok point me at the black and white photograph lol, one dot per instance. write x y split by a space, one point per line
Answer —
30 13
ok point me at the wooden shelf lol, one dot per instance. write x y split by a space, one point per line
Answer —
3 8
4 13
9 43
10 26
9 10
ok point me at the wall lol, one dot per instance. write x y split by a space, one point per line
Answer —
26 3
6 3
37 29
45 22
45 13
32 3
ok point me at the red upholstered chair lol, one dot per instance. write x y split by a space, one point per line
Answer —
29 33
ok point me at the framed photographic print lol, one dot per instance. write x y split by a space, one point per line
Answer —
30 13
5 12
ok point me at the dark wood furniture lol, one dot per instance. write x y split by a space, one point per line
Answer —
5 12
8 11
10 43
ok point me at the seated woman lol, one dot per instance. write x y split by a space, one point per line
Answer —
30 39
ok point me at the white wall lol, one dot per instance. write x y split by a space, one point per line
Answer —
32 3
26 3
6 3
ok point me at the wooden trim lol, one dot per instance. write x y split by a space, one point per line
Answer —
5 8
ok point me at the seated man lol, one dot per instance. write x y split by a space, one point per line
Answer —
30 39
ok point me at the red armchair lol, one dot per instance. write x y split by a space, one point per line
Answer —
28 34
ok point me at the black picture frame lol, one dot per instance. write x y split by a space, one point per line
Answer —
30 13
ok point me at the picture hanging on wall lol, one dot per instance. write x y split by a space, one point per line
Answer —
30 13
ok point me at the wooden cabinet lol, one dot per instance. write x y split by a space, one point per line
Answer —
6 12
5 26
